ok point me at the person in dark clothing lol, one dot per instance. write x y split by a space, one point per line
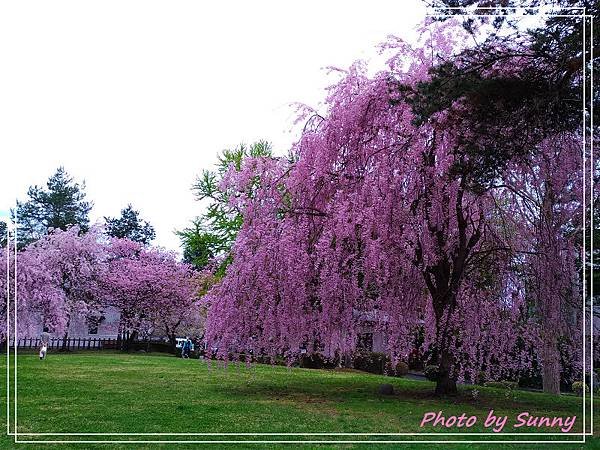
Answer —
186 348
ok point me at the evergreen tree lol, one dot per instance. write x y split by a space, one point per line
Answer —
210 237
61 205
130 226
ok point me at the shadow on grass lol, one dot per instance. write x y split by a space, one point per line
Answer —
364 388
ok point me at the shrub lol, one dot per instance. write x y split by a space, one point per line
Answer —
401 369
431 372
579 386
531 379
316 361
480 378
372 362
162 347
501 384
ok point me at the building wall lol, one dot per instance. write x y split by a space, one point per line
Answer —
80 328
377 340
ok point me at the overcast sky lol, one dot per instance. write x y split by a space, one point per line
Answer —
136 97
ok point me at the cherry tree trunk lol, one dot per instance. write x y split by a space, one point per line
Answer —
443 305
446 382
550 366
65 340
173 342
65 345
129 340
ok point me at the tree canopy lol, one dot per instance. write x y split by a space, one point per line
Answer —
59 206
130 226
67 273
513 87
430 199
209 239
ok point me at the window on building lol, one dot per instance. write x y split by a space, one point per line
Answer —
365 342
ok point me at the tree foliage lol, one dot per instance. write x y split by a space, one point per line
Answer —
59 206
66 274
210 237
151 289
391 212
130 226
59 277
512 89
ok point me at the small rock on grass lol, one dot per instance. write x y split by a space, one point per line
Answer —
386 389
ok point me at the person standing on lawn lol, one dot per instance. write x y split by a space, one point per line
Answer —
186 348
45 340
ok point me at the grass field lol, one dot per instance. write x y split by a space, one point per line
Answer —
137 393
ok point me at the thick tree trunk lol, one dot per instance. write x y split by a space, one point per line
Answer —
173 343
446 382
550 366
128 343
171 333
120 336
549 300
443 279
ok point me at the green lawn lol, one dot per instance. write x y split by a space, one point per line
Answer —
120 393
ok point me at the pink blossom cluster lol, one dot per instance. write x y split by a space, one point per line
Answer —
68 273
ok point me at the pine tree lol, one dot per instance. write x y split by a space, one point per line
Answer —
61 205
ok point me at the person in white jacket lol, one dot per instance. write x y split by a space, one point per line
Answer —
45 339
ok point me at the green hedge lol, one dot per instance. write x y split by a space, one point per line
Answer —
372 362
378 363
501 384
317 361
579 386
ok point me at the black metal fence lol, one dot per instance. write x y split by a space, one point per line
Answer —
89 343
69 343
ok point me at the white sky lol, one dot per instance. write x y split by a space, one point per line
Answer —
136 97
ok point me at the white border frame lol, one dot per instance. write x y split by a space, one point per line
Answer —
9 225
582 434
